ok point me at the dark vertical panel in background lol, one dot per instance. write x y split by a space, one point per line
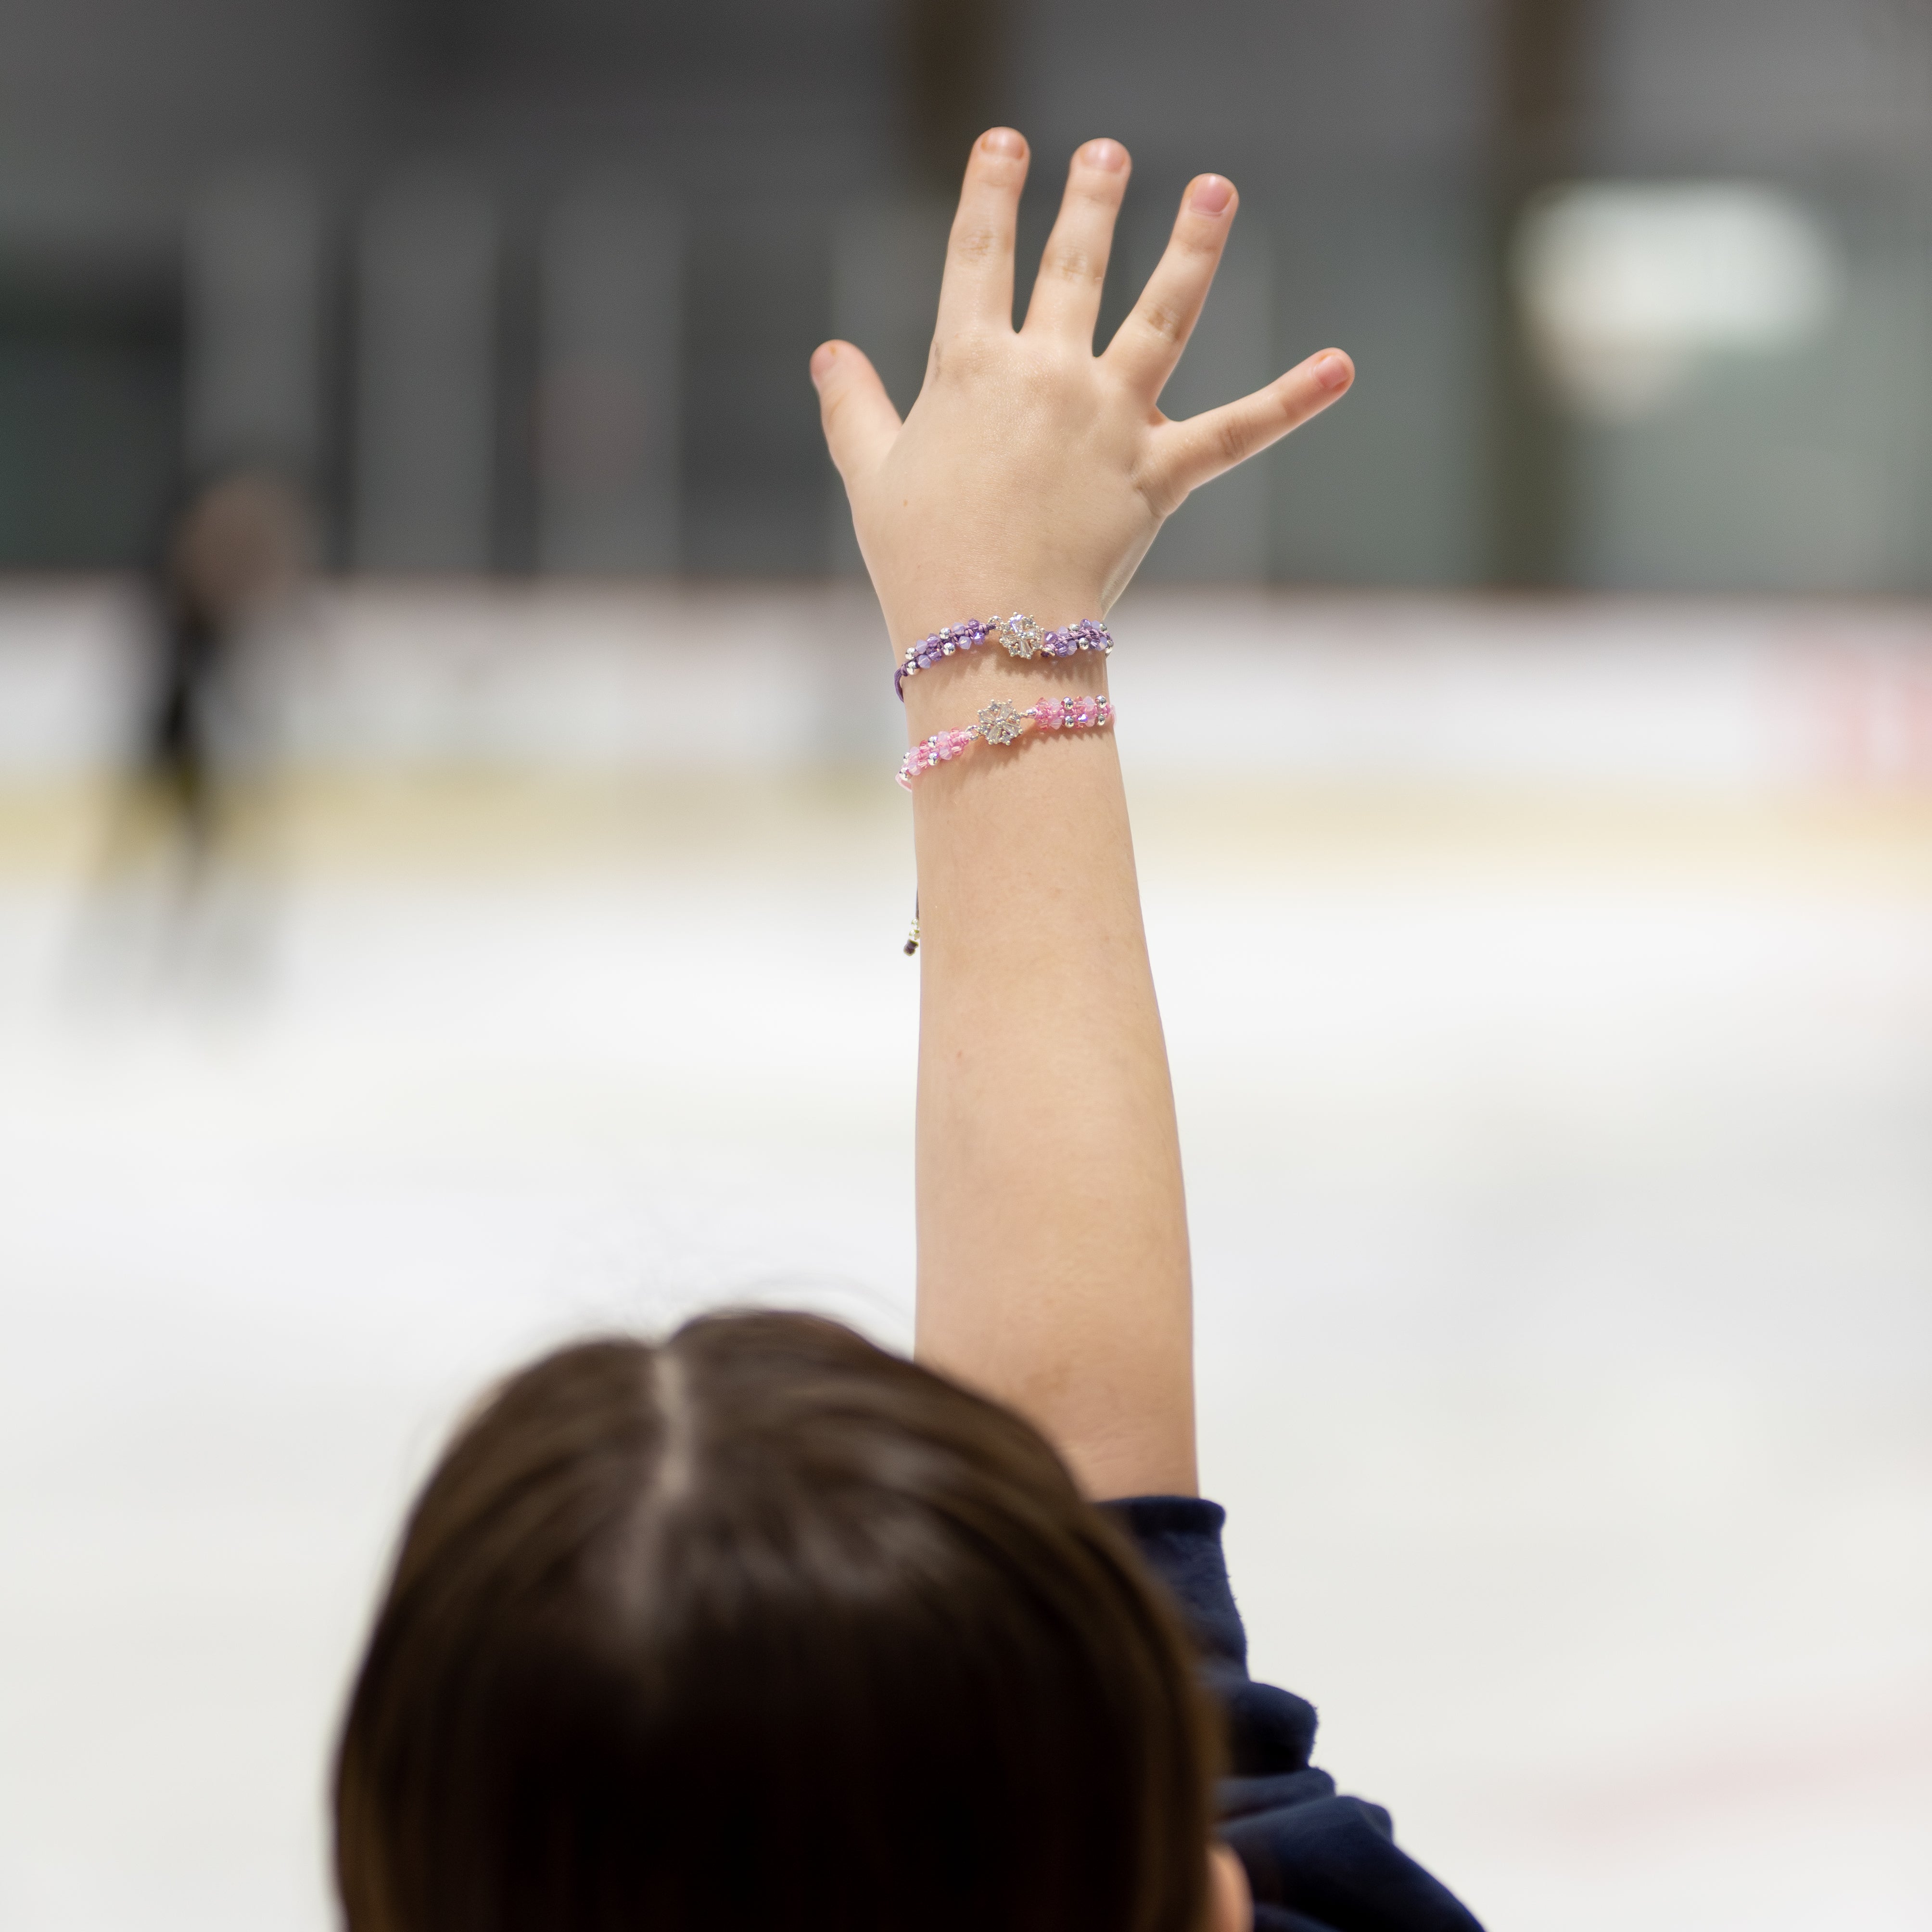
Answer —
1394 486
90 418
759 302
954 55
1542 49
513 479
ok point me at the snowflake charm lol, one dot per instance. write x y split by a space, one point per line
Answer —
1000 723
1022 635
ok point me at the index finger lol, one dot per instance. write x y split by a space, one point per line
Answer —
978 289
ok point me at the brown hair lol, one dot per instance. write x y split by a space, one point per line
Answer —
763 1628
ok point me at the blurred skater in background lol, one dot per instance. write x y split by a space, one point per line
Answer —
176 899
237 551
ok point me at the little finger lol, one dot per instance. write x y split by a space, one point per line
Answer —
1189 453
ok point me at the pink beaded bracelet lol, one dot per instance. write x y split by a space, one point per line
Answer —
1000 723
1021 635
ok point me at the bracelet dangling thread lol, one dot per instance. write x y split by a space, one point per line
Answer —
999 724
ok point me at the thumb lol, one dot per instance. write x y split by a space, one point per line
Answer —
859 420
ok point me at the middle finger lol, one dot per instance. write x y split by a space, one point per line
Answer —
1067 296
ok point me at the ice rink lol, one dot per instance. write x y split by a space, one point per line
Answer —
1549 994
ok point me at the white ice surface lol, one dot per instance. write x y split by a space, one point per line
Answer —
1564 1246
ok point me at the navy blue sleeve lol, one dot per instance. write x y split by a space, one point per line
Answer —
1316 1862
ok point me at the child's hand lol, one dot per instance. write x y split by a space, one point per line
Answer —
1031 473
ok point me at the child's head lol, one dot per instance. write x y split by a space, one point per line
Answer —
764 1627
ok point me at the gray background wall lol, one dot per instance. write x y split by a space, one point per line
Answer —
472 392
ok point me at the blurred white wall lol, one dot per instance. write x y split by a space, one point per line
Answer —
1703 696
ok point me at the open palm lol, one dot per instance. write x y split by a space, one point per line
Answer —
1030 468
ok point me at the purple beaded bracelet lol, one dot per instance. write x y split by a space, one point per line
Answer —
1021 635
1000 723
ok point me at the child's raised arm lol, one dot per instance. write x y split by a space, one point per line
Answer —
1031 475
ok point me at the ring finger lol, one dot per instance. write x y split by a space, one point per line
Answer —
1148 343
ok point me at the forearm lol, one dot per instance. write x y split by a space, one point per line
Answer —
1053 1246
1053 1268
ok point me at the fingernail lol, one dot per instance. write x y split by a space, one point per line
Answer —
1333 371
823 357
1211 194
1107 156
1004 141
